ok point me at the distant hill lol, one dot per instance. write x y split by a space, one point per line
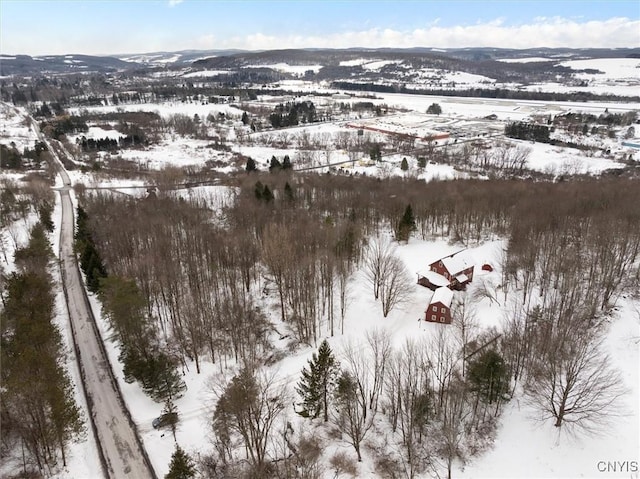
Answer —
25 65
329 63
175 58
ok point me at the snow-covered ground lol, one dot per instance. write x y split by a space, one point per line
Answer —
14 129
166 109
546 455
525 60
527 448
610 68
565 161
463 118
285 67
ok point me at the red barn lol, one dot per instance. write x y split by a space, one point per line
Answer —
439 309
455 268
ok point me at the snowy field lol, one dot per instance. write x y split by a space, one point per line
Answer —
167 109
462 117
14 129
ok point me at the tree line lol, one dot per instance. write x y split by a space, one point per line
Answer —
142 355
482 92
38 408
293 113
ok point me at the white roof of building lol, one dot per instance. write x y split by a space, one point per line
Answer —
434 278
456 263
462 278
442 295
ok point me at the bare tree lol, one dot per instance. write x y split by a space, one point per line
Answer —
352 418
380 343
250 406
344 293
377 256
396 285
455 413
352 394
443 359
464 319
387 274
575 385
410 402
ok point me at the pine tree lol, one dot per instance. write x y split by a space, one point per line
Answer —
45 210
286 163
318 382
258 190
489 376
251 165
162 380
245 118
275 165
404 166
288 193
434 109
182 466
267 195
406 225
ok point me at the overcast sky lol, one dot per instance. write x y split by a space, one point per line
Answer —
134 26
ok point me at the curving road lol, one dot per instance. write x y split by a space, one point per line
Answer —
119 445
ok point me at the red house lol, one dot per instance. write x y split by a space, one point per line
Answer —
439 309
456 268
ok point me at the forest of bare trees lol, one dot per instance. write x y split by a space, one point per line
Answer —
204 264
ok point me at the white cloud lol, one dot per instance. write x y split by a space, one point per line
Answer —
552 32
541 32
173 3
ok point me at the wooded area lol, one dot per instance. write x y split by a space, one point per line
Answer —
202 264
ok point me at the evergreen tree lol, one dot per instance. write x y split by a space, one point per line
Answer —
404 166
182 466
245 118
36 255
317 382
434 109
292 120
288 193
375 152
267 195
275 165
258 190
90 260
406 225
251 165
489 376
163 381
37 392
286 163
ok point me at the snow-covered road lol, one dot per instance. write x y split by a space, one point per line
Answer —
119 445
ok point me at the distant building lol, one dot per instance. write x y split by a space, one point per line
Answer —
439 309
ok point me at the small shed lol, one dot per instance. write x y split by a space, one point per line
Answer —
439 309
432 280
